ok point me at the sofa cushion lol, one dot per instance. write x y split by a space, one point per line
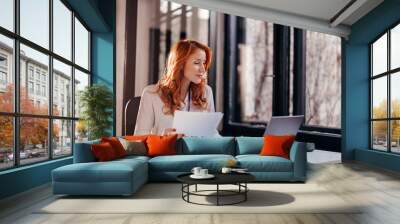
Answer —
185 163
136 137
277 145
257 163
161 145
103 152
131 158
134 147
249 145
116 145
142 138
207 145
111 171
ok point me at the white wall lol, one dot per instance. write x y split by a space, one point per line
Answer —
120 62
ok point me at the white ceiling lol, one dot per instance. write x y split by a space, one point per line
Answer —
320 9
315 15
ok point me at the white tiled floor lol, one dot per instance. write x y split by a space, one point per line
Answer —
319 156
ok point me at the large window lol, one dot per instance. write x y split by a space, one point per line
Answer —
323 80
40 80
255 71
7 14
256 75
34 23
385 92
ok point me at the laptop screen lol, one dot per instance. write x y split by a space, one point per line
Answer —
284 125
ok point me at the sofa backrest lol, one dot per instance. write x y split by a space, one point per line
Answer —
249 145
206 145
83 152
190 146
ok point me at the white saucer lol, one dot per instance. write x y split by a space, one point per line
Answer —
208 176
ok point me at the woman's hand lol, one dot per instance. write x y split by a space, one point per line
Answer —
172 131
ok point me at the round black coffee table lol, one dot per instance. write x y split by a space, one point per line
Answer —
238 179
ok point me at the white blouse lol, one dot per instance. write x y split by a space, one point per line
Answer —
152 120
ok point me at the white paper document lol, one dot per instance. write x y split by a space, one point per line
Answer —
200 124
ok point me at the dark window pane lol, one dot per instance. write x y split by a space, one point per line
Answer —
395 47
379 135
81 45
62 29
7 14
379 98
62 89
33 140
81 81
32 61
81 131
35 21
6 142
379 55
323 81
62 138
256 57
395 136
395 95
6 74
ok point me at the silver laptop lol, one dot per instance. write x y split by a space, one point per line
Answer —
284 125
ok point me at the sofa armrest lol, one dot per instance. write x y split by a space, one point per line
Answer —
83 152
298 155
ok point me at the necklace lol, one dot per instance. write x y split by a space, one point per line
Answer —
190 100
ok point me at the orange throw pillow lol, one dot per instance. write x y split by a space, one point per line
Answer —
277 145
136 137
116 145
103 152
161 145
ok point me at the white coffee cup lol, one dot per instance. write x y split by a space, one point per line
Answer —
203 172
196 170
226 170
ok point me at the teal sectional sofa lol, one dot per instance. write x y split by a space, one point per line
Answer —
125 176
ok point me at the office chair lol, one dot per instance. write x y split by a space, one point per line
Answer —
130 116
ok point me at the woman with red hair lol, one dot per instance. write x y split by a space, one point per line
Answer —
182 87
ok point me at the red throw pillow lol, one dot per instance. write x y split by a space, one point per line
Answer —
277 145
116 145
103 152
161 145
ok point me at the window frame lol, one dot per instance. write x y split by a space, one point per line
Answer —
325 138
232 106
388 74
3 74
16 115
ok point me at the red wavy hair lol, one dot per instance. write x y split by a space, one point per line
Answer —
169 86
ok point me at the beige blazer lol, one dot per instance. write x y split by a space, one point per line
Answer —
152 120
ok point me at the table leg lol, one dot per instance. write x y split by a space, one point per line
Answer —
188 190
196 188
245 193
217 194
